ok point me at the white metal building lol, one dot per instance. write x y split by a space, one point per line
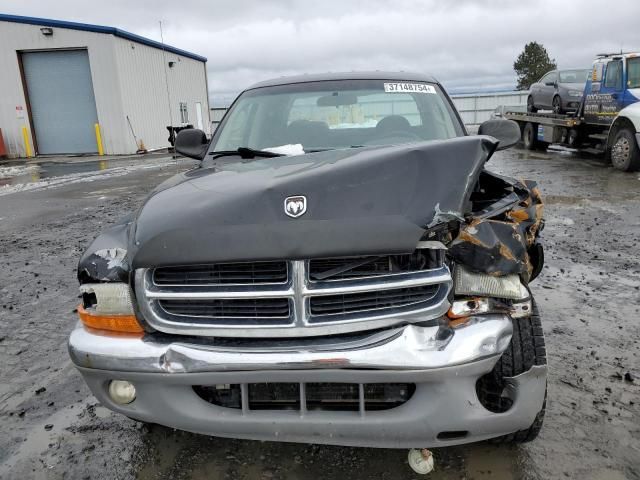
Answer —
58 80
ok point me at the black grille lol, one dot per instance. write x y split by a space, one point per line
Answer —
375 300
318 396
357 267
263 308
223 274
274 396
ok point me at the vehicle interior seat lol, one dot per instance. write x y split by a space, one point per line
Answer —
391 124
311 134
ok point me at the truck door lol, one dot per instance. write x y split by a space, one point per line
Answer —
606 98
632 81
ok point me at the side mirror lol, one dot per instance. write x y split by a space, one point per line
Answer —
192 143
507 132
550 84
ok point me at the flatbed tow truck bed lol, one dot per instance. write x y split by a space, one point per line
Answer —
597 126
544 118
539 130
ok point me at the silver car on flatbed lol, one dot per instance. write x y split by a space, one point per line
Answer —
559 91
341 268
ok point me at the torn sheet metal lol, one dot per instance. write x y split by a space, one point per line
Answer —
367 201
106 259
499 239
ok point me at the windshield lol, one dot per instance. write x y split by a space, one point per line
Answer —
574 76
337 114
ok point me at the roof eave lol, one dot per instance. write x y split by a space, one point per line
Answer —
87 27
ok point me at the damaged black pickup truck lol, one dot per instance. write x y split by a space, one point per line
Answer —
341 268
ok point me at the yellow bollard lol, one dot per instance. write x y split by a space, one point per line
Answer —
99 139
27 146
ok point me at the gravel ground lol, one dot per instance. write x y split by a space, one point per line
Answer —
588 293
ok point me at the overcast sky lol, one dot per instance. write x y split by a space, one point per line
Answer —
467 44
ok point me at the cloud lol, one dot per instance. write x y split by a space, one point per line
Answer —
466 44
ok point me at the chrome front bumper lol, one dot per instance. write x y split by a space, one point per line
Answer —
443 364
406 348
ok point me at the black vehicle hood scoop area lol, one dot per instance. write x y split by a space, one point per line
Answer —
364 201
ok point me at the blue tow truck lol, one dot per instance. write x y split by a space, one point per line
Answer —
606 122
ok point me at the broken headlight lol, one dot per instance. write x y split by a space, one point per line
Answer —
479 293
108 306
480 284
107 298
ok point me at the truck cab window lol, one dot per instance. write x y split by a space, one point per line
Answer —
633 73
613 78
338 114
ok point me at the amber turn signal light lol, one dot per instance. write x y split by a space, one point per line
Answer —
113 323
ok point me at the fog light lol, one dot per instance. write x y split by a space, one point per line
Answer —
122 392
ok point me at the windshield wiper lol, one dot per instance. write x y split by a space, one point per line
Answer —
316 150
245 152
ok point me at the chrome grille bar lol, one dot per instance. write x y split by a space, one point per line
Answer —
298 290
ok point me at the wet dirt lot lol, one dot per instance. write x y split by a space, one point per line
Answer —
589 296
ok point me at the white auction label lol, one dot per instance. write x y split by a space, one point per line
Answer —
409 87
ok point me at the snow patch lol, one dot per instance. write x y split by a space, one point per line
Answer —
81 177
8 172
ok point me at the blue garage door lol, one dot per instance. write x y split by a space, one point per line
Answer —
63 108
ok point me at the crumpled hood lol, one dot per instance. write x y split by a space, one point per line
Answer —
359 202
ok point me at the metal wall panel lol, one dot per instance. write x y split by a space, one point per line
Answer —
63 107
144 73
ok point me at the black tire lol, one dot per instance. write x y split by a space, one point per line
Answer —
531 108
556 105
526 349
529 136
574 138
625 152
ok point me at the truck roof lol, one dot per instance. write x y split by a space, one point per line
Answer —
323 77
619 54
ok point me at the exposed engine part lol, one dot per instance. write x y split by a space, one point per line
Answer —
498 236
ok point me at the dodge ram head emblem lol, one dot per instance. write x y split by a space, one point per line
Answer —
295 206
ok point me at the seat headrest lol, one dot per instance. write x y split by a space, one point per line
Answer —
393 123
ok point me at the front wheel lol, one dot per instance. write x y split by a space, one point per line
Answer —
557 105
526 349
625 152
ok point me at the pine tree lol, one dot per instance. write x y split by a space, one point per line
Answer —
531 64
